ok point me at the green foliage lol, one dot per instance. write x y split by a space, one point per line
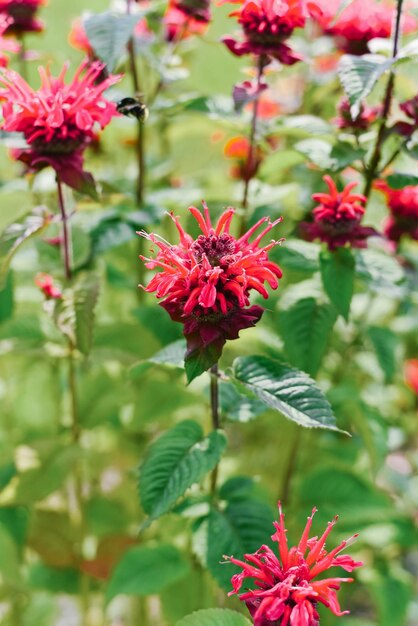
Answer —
214 617
147 570
385 343
337 273
286 390
359 75
176 461
108 34
306 328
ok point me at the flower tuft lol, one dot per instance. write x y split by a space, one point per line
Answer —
286 593
205 283
337 218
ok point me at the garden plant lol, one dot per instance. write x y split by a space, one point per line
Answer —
209 313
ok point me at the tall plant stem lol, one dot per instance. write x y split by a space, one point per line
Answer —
290 468
216 421
373 166
252 146
66 232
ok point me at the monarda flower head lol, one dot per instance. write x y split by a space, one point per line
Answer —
403 207
359 22
337 218
23 15
367 115
181 20
6 44
266 25
59 120
286 592
205 283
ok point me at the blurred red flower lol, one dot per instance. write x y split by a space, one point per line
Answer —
286 593
183 21
23 14
403 206
205 283
266 25
411 374
6 44
337 218
365 118
360 21
45 282
58 120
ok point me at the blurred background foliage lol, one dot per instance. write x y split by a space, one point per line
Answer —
126 400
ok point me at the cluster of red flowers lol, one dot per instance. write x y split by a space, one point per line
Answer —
367 115
184 18
205 283
403 207
266 25
46 284
59 120
286 593
337 218
359 22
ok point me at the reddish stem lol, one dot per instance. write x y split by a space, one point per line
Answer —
65 232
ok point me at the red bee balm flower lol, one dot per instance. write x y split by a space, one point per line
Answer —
59 120
411 374
286 593
365 118
22 13
205 283
6 44
403 206
45 282
266 25
337 218
359 22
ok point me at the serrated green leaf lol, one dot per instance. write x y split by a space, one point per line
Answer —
307 123
399 181
327 156
241 528
301 256
392 592
108 34
384 342
237 407
285 389
380 271
147 570
172 355
6 299
306 328
337 273
201 360
16 234
359 75
214 617
176 461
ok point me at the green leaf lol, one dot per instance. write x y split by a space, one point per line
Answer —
6 299
16 234
241 528
385 343
285 389
201 360
327 156
172 355
380 271
176 461
359 75
214 617
337 273
237 407
108 34
309 124
54 579
399 181
392 592
306 328
147 570
297 255
74 313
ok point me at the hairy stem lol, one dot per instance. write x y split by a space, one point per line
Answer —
285 488
216 421
373 166
66 232
252 146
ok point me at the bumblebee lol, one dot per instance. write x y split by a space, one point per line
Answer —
132 107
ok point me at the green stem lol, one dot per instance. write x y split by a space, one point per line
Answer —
252 147
285 489
373 166
66 232
216 421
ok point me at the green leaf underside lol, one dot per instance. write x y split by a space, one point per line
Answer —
287 390
176 461
337 273
306 328
171 355
214 617
108 34
359 75
384 342
147 570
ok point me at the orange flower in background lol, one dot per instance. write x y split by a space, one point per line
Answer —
411 374
238 149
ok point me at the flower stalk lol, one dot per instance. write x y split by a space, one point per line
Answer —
373 167
66 231
216 421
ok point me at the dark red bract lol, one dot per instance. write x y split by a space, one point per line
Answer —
364 119
23 14
403 207
286 593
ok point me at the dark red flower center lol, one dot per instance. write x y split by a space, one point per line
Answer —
215 248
